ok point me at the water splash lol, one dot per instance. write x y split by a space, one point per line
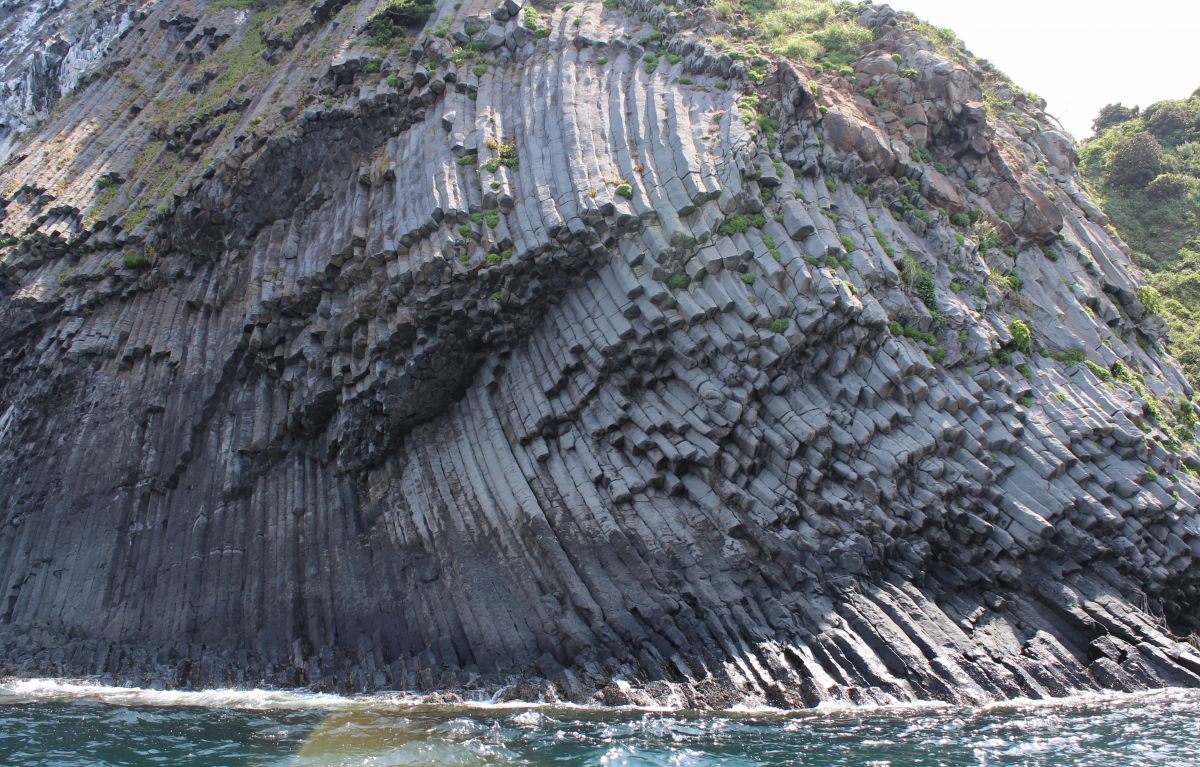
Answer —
72 724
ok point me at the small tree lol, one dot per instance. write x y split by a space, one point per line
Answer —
1135 161
1113 114
1168 186
1167 118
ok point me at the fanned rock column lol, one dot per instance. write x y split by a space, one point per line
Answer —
516 358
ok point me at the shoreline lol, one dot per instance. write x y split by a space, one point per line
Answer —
20 690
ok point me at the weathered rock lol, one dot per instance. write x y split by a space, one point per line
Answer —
584 389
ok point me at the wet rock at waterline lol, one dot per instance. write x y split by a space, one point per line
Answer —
557 349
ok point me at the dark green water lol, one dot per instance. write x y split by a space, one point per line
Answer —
43 723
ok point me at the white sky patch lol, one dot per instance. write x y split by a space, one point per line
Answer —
1079 54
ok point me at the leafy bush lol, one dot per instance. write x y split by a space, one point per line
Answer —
1020 335
1150 298
625 190
389 24
1113 114
920 279
1135 161
1167 118
679 281
1167 186
135 261
780 325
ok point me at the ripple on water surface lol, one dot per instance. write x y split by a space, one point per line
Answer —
58 724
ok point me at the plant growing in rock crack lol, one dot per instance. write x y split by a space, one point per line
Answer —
919 278
740 225
625 190
679 281
135 261
1021 335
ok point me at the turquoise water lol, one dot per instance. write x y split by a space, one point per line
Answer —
43 723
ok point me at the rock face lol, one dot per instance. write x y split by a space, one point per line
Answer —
520 357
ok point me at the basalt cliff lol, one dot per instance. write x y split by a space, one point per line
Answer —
606 351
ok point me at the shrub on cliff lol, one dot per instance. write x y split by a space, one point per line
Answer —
1113 114
408 12
1169 185
1020 335
1167 120
389 25
1135 161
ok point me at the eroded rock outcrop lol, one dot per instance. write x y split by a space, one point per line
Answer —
517 358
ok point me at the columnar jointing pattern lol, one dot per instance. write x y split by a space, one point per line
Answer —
387 418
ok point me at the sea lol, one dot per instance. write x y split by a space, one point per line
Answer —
64 724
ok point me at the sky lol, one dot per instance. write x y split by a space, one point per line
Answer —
1079 54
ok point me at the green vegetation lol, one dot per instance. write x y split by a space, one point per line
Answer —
490 218
772 248
922 281
1144 168
506 155
389 26
747 278
780 325
679 281
135 261
740 225
813 30
533 22
1070 357
907 331
625 190
1021 335
1098 370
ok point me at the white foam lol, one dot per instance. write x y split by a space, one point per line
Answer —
21 690
61 689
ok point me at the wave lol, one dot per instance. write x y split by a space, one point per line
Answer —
29 690
34 690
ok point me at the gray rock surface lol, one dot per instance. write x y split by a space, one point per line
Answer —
410 394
